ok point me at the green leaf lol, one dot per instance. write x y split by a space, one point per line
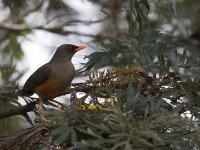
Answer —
59 130
145 2
94 133
165 81
101 59
119 144
116 46
62 138
129 91
176 136
183 57
73 135
127 146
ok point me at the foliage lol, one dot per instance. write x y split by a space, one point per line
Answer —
143 84
138 118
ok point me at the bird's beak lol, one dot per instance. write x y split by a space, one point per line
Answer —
80 48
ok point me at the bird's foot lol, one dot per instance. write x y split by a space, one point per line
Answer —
40 117
38 108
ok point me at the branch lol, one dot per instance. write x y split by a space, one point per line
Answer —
18 111
91 87
25 139
74 21
78 87
36 5
57 30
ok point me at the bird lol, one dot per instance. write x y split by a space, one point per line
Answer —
51 79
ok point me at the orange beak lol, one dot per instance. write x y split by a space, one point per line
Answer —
80 48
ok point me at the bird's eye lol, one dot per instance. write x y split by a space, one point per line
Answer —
69 48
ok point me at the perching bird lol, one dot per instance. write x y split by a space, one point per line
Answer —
51 79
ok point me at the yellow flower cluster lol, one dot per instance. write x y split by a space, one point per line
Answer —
92 106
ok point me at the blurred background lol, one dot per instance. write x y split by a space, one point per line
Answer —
31 30
23 51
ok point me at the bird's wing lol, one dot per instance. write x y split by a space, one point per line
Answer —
39 76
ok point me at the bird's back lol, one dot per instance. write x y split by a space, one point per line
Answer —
50 80
39 76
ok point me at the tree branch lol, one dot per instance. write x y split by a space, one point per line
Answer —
57 30
36 5
25 139
79 87
18 111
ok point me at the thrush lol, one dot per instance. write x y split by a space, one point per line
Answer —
51 79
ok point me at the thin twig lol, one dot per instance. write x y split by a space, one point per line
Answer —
57 30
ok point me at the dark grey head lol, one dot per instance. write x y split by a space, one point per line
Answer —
65 52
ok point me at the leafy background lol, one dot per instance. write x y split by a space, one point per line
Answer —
141 89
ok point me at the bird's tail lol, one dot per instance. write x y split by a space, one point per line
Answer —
6 91
25 93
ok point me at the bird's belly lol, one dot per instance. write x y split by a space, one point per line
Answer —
55 84
49 90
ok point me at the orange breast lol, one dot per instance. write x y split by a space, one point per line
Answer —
50 89
59 79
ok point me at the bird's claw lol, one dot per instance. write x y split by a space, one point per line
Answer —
38 109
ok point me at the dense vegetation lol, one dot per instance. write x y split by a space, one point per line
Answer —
145 95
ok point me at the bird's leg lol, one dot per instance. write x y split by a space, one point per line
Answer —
39 107
40 104
40 111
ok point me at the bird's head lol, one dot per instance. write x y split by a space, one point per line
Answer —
65 52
